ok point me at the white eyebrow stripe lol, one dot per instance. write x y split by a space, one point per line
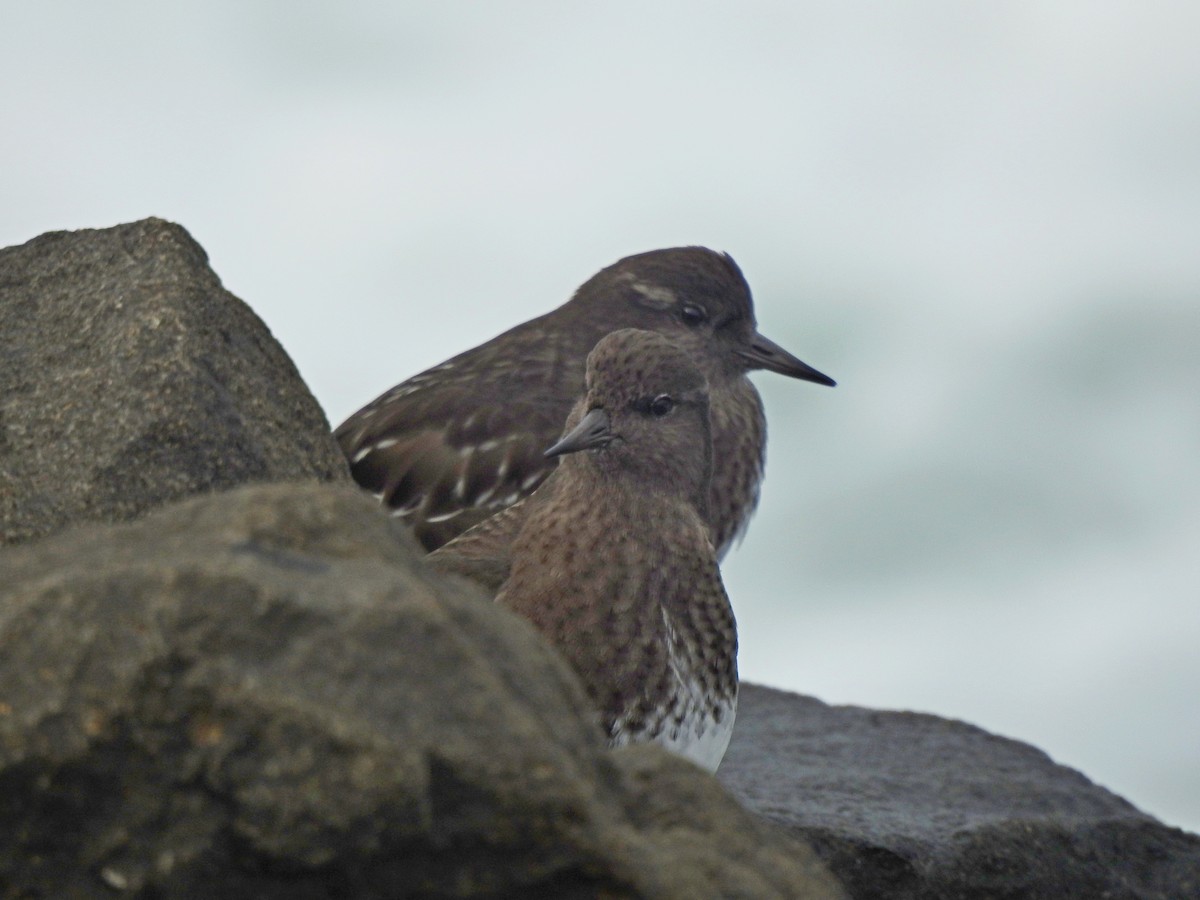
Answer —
655 293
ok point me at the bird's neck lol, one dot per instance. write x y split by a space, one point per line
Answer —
665 491
592 523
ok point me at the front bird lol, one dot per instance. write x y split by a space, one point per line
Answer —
611 558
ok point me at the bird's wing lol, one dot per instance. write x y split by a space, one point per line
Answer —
484 552
451 446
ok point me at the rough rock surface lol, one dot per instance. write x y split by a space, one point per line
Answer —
129 377
905 805
265 694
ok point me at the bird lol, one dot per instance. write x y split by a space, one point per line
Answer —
613 561
462 440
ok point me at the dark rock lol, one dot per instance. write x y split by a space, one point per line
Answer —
265 693
904 805
129 378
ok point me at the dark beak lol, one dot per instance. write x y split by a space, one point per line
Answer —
764 353
593 430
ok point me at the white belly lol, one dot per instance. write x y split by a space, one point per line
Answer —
692 722
701 736
702 739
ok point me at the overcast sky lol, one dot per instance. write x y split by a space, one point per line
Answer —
982 219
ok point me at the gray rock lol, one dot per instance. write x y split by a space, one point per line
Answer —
904 805
129 378
265 693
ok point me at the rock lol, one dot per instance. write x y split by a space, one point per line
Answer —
904 805
131 378
265 693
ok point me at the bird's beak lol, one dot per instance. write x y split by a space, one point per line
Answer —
594 430
764 353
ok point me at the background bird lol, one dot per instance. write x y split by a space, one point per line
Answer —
613 560
456 443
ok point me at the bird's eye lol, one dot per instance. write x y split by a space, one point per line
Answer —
661 405
692 314
655 406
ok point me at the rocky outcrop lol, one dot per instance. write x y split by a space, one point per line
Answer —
129 377
904 805
261 691
262 694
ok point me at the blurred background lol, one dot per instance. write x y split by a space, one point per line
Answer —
982 219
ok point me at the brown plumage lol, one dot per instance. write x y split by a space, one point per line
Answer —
611 558
461 441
